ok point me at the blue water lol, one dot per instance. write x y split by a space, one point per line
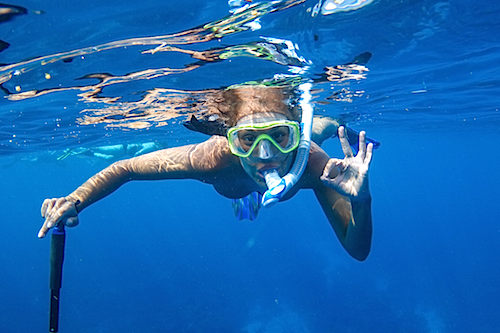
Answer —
169 256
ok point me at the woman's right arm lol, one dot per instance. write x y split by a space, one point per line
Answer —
191 161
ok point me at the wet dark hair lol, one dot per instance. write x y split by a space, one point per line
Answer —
225 107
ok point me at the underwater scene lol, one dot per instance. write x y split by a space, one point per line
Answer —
141 90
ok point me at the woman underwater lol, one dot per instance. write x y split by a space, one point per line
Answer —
263 134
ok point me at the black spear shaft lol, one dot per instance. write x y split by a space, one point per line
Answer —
56 264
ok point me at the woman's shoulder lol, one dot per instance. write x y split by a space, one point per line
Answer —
317 159
222 169
212 154
315 165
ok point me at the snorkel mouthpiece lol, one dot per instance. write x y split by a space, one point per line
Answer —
277 186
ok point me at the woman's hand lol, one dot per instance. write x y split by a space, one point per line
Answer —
350 175
59 210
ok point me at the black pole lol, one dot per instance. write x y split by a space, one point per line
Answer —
56 264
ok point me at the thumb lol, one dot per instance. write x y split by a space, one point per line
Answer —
72 221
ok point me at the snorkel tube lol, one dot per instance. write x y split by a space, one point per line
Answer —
277 186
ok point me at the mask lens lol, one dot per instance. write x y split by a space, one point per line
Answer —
246 138
281 135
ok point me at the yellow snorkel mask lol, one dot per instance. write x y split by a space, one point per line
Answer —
283 134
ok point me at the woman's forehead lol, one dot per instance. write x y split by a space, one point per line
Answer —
261 117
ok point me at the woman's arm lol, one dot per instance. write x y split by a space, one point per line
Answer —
344 194
162 164
351 220
196 161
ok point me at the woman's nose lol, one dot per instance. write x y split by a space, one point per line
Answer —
265 150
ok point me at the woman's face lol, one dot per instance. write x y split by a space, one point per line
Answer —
266 155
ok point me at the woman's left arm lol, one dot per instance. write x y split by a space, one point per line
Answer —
346 198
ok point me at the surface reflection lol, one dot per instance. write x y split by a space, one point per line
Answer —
7 13
218 29
140 99
159 105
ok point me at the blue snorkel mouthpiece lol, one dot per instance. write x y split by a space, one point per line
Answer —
277 186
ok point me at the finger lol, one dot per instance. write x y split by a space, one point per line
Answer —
61 206
56 203
329 181
45 204
362 145
51 223
369 154
60 202
47 225
60 210
328 167
332 165
346 148
52 213
49 205
43 230
333 183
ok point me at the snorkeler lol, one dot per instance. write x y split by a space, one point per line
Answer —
262 139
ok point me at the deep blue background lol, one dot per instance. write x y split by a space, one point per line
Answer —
170 256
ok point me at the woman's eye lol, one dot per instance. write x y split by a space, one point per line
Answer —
279 136
248 138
